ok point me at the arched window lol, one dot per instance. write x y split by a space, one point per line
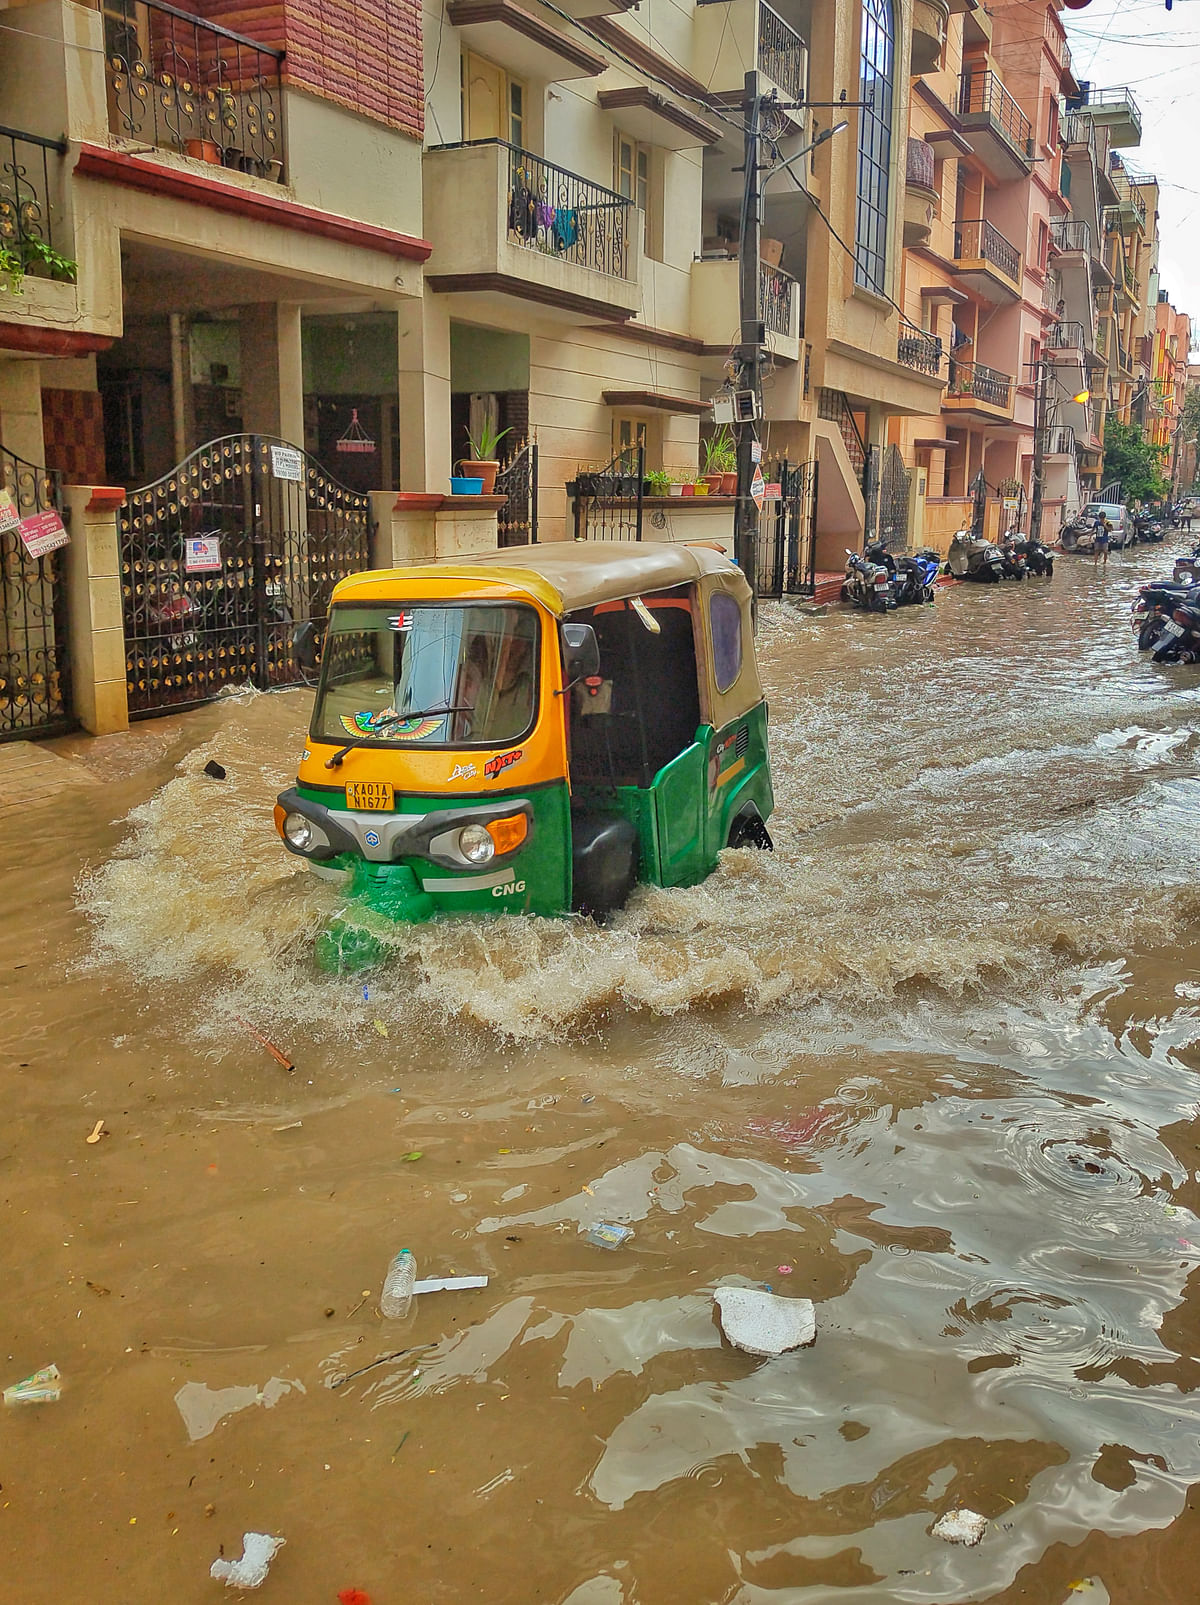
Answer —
874 145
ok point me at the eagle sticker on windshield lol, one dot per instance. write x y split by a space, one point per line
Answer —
384 723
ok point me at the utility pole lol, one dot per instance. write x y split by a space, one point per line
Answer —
1040 420
745 534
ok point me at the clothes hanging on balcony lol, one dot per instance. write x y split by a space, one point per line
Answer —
545 215
522 212
568 228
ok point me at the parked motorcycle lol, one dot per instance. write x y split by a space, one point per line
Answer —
1012 562
1146 528
1156 603
867 585
912 577
1179 639
972 557
1038 559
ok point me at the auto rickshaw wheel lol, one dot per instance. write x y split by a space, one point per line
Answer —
750 830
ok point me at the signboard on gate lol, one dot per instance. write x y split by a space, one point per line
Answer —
202 554
42 533
9 517
758 488
286 463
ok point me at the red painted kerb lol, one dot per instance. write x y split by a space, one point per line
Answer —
95 161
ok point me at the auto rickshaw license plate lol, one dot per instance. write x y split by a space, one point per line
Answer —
371 795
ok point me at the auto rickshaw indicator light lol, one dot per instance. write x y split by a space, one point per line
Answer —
508 833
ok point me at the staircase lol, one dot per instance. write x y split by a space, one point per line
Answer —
832 405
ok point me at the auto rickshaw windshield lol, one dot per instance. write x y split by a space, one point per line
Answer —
458 676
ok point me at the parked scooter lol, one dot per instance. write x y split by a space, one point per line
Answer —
1078 536
1013 563
1146 528
1038 559
912 577
1156 603
867 584
1179 639
972 557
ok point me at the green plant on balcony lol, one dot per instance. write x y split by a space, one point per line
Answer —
12 270
720 452
37 252
658 482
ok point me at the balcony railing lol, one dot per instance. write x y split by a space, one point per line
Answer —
982 93
976 240
26 187
1056 41
1070 234
1062 441
1079 130
1067 336
190 86
984 384
920 351
1106 99
920 165
782 54
778 292
1128 194
560 214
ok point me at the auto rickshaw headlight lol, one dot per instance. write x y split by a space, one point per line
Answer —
475 844
298 832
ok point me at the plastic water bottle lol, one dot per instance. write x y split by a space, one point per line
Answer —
398 1285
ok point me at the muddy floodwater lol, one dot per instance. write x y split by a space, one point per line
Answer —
932 1064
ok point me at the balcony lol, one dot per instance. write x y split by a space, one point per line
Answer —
184 85
920 195
723 36
1114 109
996 126
505 222
1067 336
920 351
1061 442
32 233
1070 236
930 22
987 262
715 290
1078 134
974 388
1131 204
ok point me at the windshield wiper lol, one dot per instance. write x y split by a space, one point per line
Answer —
395 718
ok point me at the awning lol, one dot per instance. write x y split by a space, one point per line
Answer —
516 39
656 401
943 292
655 120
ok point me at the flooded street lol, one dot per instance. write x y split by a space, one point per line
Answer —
933 1064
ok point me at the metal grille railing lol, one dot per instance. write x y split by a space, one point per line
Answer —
976 240
1079 130
558 213
982 94
832 405
34 690
517 520
1062 441
188 85
1070 234
1067 334
920 351
608 502
776 290
919 166
984 384
782 54
26 208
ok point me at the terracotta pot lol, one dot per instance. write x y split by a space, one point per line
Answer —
485 471
205 150
729 484
713 481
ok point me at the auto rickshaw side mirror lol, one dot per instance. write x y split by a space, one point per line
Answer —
581 652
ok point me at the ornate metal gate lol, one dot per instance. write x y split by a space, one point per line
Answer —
518 480
34 685
608 501
786 531
894 480
228 563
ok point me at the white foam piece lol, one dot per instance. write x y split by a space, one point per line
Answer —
258 1551
763 1323
448 1284
960 1527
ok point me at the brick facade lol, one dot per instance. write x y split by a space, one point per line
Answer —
73 432
361 54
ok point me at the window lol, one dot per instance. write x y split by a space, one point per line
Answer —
725 617
634 177
1043 246
441 676
493 104
628 435
874 146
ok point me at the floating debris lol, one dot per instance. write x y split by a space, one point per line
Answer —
960 1527
258 1551
43 1387
763 1323
607 1234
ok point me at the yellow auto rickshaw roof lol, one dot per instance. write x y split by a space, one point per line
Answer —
562 575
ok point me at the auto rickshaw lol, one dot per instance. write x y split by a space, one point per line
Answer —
529 732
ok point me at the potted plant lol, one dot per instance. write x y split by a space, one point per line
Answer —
485 464
658 482
675 483
12 270
204 150
36 252
720 462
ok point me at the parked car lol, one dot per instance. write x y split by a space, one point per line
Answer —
1122 525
